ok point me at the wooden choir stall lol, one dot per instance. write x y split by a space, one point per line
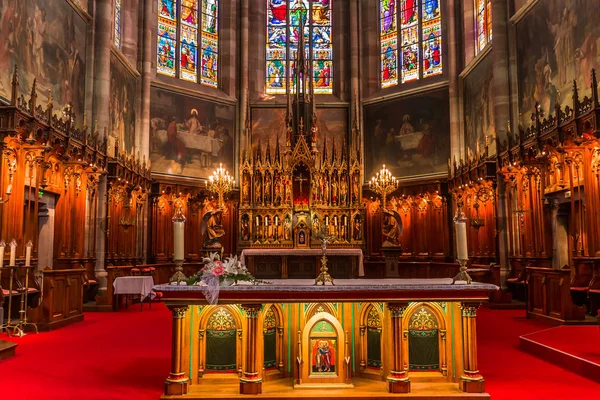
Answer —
366 339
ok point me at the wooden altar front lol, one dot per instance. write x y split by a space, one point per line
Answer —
459 374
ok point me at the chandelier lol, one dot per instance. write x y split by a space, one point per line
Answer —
221 183
383 184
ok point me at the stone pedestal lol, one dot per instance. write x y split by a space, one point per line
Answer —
391 255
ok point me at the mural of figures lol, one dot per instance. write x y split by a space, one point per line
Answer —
333 128
410 135
558 41
190 136
47 42
267 124
479 109
121 107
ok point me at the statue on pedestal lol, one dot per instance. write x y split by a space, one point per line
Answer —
212 229
392 225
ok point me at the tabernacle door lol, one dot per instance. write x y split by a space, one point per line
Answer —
324 352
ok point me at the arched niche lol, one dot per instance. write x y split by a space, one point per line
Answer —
371 341
323 351
220 326
316 308
424 324
273 322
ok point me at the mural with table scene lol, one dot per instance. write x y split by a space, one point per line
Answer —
557 42
190 136
410 135
478 95
47 43
121 108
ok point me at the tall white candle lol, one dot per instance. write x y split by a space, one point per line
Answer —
462 252
178 235
13 252
28 254
2 246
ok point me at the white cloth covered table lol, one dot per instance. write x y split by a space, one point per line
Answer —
307 252
141 285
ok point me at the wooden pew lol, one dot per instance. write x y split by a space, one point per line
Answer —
594 288
582 272
549 296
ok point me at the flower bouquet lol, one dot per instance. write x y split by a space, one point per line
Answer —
217 273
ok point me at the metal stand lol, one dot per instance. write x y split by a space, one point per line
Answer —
324 276
23 311
8 326
462 274
178 276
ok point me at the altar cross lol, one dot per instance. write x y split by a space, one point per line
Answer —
301 179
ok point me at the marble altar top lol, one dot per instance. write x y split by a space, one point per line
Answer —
304 290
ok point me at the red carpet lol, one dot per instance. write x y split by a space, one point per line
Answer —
574 347
125 355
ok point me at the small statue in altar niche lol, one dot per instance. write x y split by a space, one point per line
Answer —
277 199
334 192
314 187
392 225
257 190
288 193
267 195
343 191
246 190
357 229
245 229
316 224
325 192
287 228
212 229
355 189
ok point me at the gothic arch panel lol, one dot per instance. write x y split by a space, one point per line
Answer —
273 322
370 340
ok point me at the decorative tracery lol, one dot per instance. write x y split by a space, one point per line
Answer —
285 20
420 38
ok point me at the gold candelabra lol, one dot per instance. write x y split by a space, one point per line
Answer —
221 183
383 184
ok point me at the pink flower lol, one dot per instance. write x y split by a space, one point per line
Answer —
218 270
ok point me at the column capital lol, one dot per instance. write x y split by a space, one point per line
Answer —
178 311
469 310
251 310
397 309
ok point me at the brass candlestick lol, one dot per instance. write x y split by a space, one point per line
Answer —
324 276
383 184
221 183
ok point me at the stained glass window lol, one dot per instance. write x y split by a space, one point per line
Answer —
178 31
416 42
283 36
117 32
483 24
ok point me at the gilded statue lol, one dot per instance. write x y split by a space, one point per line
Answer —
392 224
212 228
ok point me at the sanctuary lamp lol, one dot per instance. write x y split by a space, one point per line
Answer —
383 184
221 183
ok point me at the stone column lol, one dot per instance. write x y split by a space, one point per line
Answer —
102 44
251 381
244 90
471 380
456 144
177 382
398 381
502 118
129 30
146 68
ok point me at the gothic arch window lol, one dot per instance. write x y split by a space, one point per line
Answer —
117 22
423 341
186 38
285 19
221 349
483 24
410 38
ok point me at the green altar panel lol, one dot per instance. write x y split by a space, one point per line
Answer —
270 348
373 348
423 350
221 351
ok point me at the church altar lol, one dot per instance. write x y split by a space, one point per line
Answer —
355 258
456 306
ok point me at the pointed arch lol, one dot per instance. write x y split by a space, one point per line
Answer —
315 308
273 323
439 315
232 326
371 326
320 329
